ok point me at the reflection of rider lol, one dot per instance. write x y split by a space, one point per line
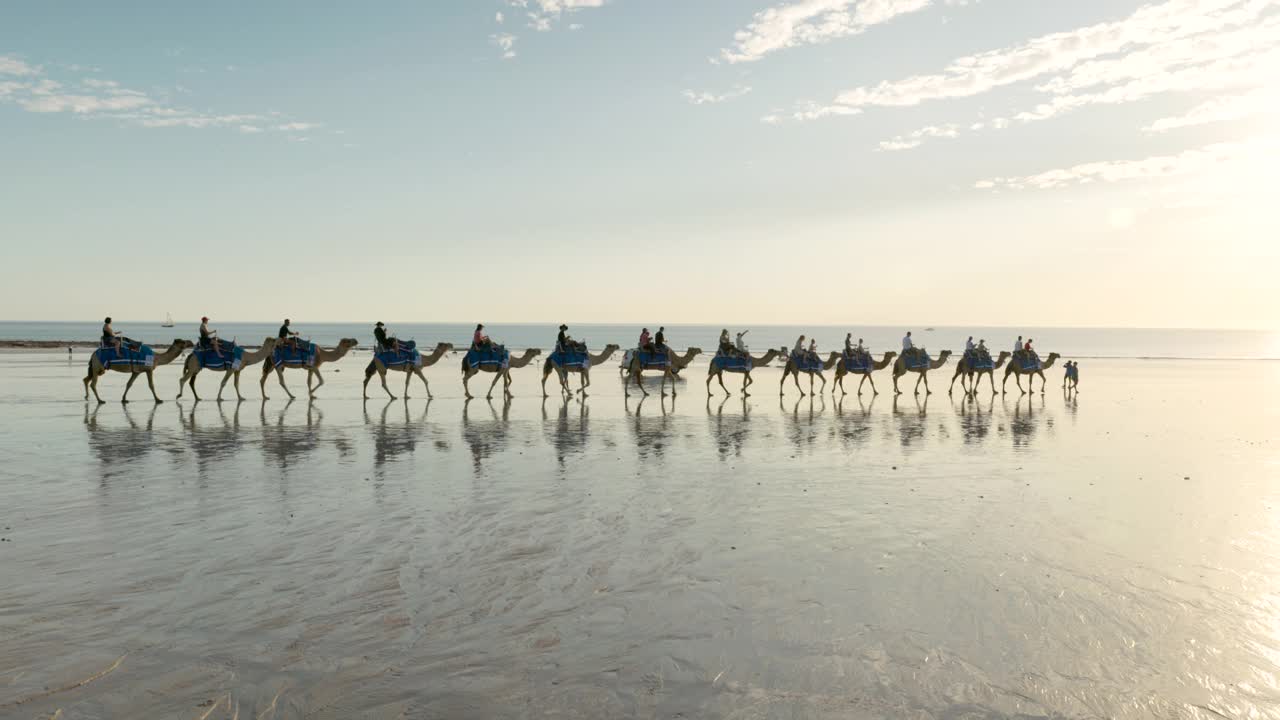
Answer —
208 338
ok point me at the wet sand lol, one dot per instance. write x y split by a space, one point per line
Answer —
1114 554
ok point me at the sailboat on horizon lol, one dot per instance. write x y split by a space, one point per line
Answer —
168 321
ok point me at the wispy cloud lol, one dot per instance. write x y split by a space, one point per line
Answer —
1260 101
539 15
914 139
709 98
30 88
811 22
506 42
1188 162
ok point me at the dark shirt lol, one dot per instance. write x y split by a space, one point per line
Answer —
660 339
284 332
561 340
380 334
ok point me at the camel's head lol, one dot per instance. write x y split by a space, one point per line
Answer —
348 343
891 355
1004 355
1052 357
183 343
445 347
535 352
612 348
695 351
944 354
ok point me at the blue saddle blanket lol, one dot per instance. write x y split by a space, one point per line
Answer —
804 362
916 360
979 361
498 356
571 359
232 357
859 363
304 355
659 360
407 355
1028 361
731 363
130 353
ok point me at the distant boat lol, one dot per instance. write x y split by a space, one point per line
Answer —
928 329
168 321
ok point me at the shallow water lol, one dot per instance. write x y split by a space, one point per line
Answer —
1113 554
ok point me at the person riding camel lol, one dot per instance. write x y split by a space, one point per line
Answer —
909 350
660 339
566 343
385 344
798 351
726 347
110 338
1017 348
813 349
209 338
286 336
739 344
480 341
646 343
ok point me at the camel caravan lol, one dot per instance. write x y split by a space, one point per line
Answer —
651 354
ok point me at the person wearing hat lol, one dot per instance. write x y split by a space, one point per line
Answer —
287 336
209 338
480 341
385 343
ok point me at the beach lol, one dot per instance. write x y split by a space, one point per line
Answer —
1106 554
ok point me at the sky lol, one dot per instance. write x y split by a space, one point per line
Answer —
925 162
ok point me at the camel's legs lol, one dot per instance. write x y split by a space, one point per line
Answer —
226 375
506 384
872 380
319 381
466 378
896 391
1018 379
925 377
280 378
237 386
496 378
132 376
952 386
1043 382
638 373
1003 383
672 374
821 377
584 381
91 382
425 385
151 383
186 375
746 383
191 380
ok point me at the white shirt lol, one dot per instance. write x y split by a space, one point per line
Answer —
799 348
1017 346
968 344
737 343
906 343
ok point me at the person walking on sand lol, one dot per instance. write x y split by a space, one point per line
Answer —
110 338
209 338
287 336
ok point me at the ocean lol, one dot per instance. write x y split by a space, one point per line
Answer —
1071 343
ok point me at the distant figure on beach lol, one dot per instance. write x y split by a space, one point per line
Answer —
480 341
209 338
1072 375
646 343
110 338
286 336
384 342
660 340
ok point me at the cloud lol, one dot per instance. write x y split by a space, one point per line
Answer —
709 98
35 92
506 42
1188 162
917 137
10 65
498 18
1176 44
811 22
1260 101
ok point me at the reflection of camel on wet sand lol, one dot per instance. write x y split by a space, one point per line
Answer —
900 368
377 366
96 370
584 373
842 370
714 370
322 356
1014 368
501 373
192 367
794 373
968 373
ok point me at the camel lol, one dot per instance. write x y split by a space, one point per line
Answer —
715 370
842 370
584 372
794 372
191 367
636 370
322 356
377 366
1015 368
678 362
900 368
500 372
97 370
962 368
